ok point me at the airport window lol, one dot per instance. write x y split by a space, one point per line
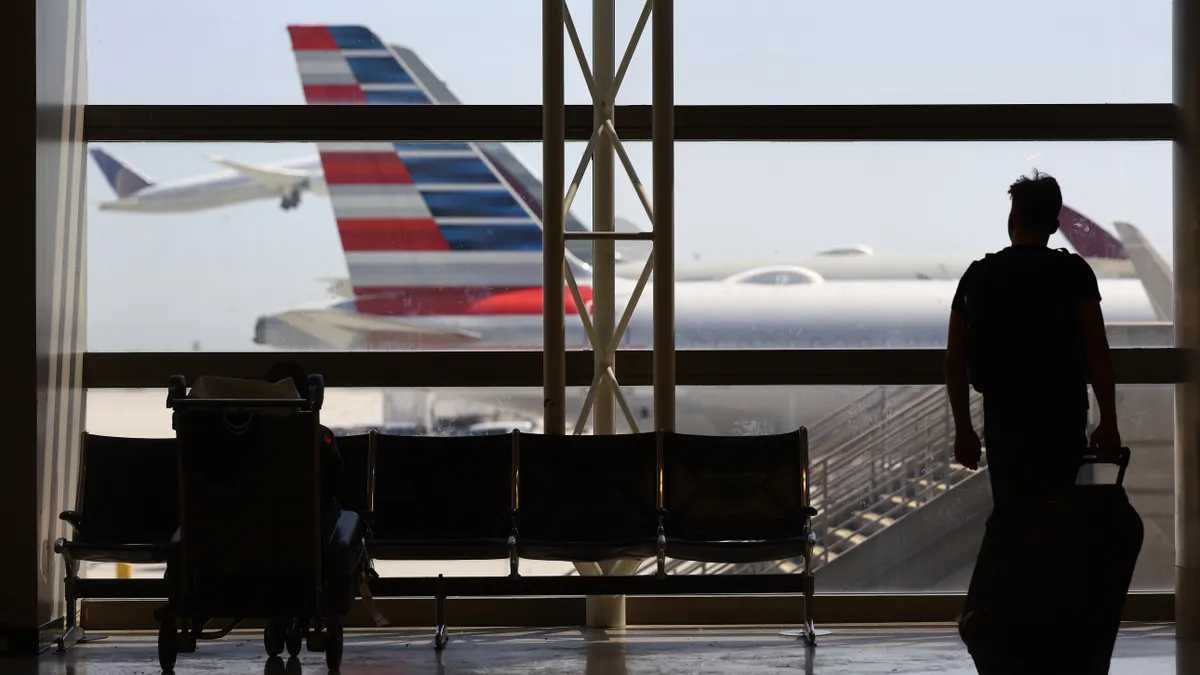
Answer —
271 261
877 52
238 248
864 52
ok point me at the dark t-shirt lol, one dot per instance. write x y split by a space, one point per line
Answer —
1029 281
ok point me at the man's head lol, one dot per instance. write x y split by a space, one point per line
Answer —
283 370
1036 203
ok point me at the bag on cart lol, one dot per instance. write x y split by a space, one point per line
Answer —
1049 586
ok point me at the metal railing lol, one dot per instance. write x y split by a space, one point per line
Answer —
876 477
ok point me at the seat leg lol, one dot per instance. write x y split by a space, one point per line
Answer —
661 557
440 637
72 632
809 632
513 560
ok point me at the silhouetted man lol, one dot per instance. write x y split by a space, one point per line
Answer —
1027 332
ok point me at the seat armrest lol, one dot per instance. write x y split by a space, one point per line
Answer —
70 517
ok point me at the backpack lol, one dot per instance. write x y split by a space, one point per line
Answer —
1023 334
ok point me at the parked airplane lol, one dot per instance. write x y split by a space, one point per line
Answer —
443 254
288 180
1155 272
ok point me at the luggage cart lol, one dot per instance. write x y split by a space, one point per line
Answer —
249 544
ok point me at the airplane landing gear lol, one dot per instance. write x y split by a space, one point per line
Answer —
290 200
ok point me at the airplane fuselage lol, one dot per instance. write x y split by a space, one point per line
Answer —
714 315
851 267
837 315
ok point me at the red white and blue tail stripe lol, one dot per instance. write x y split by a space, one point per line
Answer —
427 228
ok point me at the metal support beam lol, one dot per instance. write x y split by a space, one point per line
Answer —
554 343
604 47
663 152
1187 321
604 388
604 611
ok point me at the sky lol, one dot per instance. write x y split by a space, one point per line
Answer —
168 282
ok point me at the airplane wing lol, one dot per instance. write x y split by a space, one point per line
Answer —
281 179
1154 272
342 330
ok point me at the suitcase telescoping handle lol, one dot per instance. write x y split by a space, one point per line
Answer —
1120 457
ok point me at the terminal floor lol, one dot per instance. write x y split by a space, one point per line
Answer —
865 650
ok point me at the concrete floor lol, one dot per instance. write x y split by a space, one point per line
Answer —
862 650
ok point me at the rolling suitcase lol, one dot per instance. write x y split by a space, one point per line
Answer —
1049 586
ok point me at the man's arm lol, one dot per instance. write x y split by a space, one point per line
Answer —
1095 339
957 385
1095 346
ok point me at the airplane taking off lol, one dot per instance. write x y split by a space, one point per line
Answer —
246 183
443 254
287 180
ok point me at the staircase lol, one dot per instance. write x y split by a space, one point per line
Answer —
872 462
870 480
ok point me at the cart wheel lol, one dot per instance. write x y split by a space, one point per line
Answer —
168 649
275 636
333 653
295 638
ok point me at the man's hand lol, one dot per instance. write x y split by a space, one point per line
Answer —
967 448
1106 436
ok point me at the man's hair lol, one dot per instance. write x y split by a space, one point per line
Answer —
283 370
1038 200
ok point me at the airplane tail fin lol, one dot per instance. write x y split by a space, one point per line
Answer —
517 175
1087 238
124 180
1153 271
427 228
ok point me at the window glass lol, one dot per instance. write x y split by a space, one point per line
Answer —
769 52
230 247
